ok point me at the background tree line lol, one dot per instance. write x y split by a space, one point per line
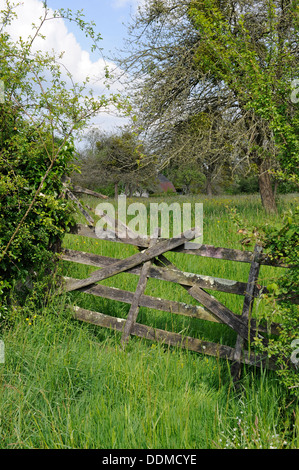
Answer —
211 83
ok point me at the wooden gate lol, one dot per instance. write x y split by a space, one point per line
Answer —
151 261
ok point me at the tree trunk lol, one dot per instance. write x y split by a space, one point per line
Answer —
209 189
116 190
266 190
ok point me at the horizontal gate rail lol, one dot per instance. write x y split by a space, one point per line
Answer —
166 274
169 338
165 305
208 251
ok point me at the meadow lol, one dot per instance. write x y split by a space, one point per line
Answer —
68 384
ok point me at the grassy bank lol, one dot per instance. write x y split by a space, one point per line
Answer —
66 384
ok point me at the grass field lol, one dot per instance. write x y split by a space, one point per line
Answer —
67 384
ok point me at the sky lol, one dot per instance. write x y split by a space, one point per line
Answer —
110 17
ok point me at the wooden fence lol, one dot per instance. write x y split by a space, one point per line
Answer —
151 262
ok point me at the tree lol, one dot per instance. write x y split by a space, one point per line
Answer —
39 118
117 160
202 142
234 59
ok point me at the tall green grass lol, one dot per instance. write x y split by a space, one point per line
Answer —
68 384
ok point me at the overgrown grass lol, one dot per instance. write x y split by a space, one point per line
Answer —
67 384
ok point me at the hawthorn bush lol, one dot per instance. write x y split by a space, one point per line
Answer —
41 113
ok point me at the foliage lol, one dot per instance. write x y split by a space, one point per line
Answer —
117 160
23 164
42 112
281 242
247 185
232 61
187 179
258 65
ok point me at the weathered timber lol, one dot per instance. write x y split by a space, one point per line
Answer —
202 281
161 273
133 313
221 312
130 262
213 305
90 232
165 274
168 338
118 227
78 189
87 216
180 308
156 303
206 251
210 303
247 309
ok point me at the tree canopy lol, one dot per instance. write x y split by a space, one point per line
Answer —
232 60
115 160
41 111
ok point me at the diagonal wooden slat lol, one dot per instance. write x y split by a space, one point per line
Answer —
79 189
131 262
79 205
133 312
119 226
247 309
214 306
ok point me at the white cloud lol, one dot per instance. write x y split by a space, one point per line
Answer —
75 59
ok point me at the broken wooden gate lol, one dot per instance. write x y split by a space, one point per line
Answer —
151 261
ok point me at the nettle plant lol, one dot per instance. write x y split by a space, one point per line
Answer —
41 112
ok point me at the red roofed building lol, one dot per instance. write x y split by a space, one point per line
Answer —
165 185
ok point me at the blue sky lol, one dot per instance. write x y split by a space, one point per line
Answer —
109 16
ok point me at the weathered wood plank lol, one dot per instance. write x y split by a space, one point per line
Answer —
221 312
165 274
79 189
80 207
207 251
247 308
120 229
90 232
213 305
133 313
168 338
165 305
156 303
128 263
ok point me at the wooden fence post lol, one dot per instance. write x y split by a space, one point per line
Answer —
133 313
247 309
